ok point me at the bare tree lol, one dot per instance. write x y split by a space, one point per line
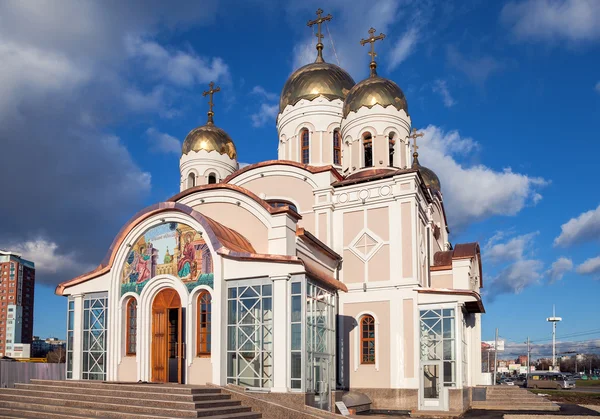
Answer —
57 356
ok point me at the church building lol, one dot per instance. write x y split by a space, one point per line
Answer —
329 270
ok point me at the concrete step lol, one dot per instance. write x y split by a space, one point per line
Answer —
546 407
128 408
121 399
6 413
130 387
131 394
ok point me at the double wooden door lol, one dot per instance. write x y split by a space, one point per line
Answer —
167 337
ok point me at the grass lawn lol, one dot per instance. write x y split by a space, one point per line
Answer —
570 396
588 383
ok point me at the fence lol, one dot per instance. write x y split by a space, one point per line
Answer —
22 372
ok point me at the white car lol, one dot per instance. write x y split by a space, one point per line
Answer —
507 382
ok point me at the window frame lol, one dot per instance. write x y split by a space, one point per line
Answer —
203 328
304 146
337 147
212 176
365 357
367 145
129 335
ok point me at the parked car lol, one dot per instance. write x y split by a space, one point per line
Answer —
549 380
507 382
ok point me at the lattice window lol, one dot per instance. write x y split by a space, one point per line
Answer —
438 340
131 325
305 146
367 339
94 337
204 323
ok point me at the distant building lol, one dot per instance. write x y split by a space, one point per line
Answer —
41 347
522 359
17 280
19 350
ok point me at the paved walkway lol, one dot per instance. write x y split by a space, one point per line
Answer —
570 410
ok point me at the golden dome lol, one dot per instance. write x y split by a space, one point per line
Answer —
210 138
314 80
375 91
432 181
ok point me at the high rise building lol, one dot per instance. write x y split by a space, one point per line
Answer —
17 281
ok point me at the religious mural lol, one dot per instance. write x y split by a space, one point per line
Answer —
170 248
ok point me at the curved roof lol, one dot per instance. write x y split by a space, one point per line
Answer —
209 138
373 91
220 237
309 168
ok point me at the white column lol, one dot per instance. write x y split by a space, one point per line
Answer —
281 333
77 336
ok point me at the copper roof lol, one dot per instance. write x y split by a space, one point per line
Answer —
443 260
305 234
307 167
475 306
371 174
220 237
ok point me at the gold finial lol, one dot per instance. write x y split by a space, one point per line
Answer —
371 39
414 135
210 93
319 35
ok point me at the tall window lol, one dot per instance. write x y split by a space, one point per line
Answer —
131 325
392 143
204 320
212 178
367 339
438 340
191 180
337 147
305 146
368 147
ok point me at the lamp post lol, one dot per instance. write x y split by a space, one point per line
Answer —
553 320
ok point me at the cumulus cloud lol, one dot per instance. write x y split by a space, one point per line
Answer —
558 269
513 259
49 260
553 20
583 228
71 181
478 69
163 143
590 267
497 192
268 108
440 87
183 68
403 47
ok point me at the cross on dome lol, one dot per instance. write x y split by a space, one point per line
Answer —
414 135
318 21
210 92
371 40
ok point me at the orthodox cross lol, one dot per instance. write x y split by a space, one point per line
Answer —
414 135
210 92
371 40
318 21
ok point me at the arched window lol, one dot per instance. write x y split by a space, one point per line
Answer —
368 148
305 146
191 180
204 321
212 178
391 142
337 147
131 325
367 339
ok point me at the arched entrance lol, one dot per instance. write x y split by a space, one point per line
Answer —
167 337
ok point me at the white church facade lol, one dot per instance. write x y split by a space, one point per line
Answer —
325 271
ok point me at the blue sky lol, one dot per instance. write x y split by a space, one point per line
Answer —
94 104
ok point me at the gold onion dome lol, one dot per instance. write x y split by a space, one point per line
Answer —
209 137
374 90
432 181
316 79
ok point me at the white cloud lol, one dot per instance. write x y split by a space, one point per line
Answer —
266 113
403 48
585 227
260 91
597 87
478 70
518 269
590 267
553 20
495 192
178 67
558 269
441 87
155 101
163 143
48 259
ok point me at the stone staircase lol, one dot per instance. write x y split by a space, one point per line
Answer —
93 399
509 398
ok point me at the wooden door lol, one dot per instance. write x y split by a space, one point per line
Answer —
164 301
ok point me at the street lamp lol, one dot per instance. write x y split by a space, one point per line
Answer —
553 320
